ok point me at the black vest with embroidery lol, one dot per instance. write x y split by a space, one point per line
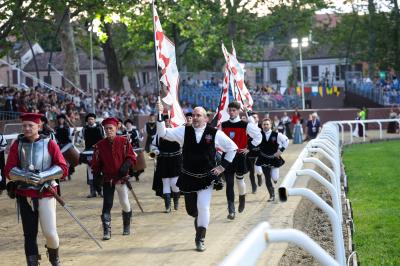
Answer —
271 146
199 158
151 128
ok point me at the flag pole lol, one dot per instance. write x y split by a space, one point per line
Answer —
155 60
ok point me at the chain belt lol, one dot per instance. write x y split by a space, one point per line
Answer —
266 155
193 174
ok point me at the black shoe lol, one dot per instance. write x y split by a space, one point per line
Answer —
231 210
126 219
176 196
91 196
271 192
259 180
242 203
106 219
33 260
167 202
199 240
53 257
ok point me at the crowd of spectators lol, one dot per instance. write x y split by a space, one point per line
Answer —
75 104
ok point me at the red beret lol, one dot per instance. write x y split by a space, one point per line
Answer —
110 121
33 117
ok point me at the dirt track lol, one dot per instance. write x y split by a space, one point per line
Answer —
158 238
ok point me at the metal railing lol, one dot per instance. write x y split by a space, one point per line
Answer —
327 146
7 115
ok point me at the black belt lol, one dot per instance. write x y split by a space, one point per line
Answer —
170 154
266 155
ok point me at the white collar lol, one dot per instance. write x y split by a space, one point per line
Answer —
268 132
235 120
200 128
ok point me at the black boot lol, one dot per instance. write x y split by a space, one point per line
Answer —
176 196
32 260
126 218
106 219
92 193
53 257
271 194
253 188
259 179
242 203
199 240
167 201
231 210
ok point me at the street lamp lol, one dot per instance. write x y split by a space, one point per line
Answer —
296 44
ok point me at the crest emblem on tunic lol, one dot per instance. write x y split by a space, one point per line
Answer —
232 134
208 138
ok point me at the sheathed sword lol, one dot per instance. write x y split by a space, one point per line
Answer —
69 211
129 185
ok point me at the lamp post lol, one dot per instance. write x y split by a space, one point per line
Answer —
295 44
91 69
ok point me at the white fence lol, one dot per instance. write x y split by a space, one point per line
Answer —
327 146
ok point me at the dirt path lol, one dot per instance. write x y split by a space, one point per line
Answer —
158 238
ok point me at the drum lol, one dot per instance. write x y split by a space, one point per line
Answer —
140 162
86 157
71 154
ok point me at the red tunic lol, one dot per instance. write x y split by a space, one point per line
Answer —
108 157
13 161
237 132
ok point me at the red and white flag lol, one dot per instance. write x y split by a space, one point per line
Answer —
237 75
166 60
222 111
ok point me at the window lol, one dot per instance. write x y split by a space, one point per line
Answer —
340 72
47 79
305 74
273 75
83 81
314 73
29 82
15 76
100 81
259 76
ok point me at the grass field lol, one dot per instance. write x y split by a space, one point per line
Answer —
373 172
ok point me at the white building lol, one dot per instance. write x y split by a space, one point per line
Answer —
318 65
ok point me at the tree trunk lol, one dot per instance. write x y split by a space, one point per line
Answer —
67 41
113 66
371 39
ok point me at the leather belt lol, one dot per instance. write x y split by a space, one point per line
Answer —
170 154
266 155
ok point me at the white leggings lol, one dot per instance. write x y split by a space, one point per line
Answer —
122 191
47 219
203 206
275 173
169 183
89 172
258 170
241 185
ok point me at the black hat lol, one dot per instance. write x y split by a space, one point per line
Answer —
128 121
189 114
89 115
61 116
165 116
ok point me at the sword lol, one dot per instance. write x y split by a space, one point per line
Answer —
69 211
129 185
